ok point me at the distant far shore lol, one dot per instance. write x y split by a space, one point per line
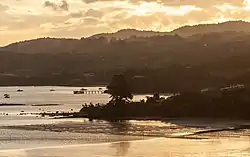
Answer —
74 86
17 104
77 86
158 118
66 115
11 104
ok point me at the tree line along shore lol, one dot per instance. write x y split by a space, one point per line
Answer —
232 102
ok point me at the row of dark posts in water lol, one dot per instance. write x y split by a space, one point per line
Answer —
88 92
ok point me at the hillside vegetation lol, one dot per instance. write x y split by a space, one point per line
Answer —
211 55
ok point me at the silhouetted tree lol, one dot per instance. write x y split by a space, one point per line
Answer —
156 96
119 90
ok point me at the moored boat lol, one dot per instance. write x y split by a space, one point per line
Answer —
81 91
6 96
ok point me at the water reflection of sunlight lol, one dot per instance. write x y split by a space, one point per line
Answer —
120 127
122 148
233 147
151 123
14 153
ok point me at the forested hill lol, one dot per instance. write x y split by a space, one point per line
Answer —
156 63
88 45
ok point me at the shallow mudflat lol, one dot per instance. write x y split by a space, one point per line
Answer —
159 147
167 128
32 136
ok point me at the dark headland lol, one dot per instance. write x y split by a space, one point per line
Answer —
232 103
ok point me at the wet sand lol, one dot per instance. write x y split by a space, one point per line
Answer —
79 137
160 147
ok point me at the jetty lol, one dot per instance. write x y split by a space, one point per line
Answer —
88 92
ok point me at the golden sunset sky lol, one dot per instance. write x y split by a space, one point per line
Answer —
28 19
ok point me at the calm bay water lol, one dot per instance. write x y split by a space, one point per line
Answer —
31 136
42 95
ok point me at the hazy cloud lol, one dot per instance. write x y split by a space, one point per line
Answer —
93 1
25 19
62 5
50 4
90 21
77 14
93 13
3 7
200 3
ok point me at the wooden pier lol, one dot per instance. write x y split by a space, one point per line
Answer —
93 92
89 92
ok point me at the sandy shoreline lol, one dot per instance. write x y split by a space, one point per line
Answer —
79 145
168 129
75 137
235 147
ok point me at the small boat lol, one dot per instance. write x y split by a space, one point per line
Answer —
81 91
19 90
100 88
52 89
6 96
